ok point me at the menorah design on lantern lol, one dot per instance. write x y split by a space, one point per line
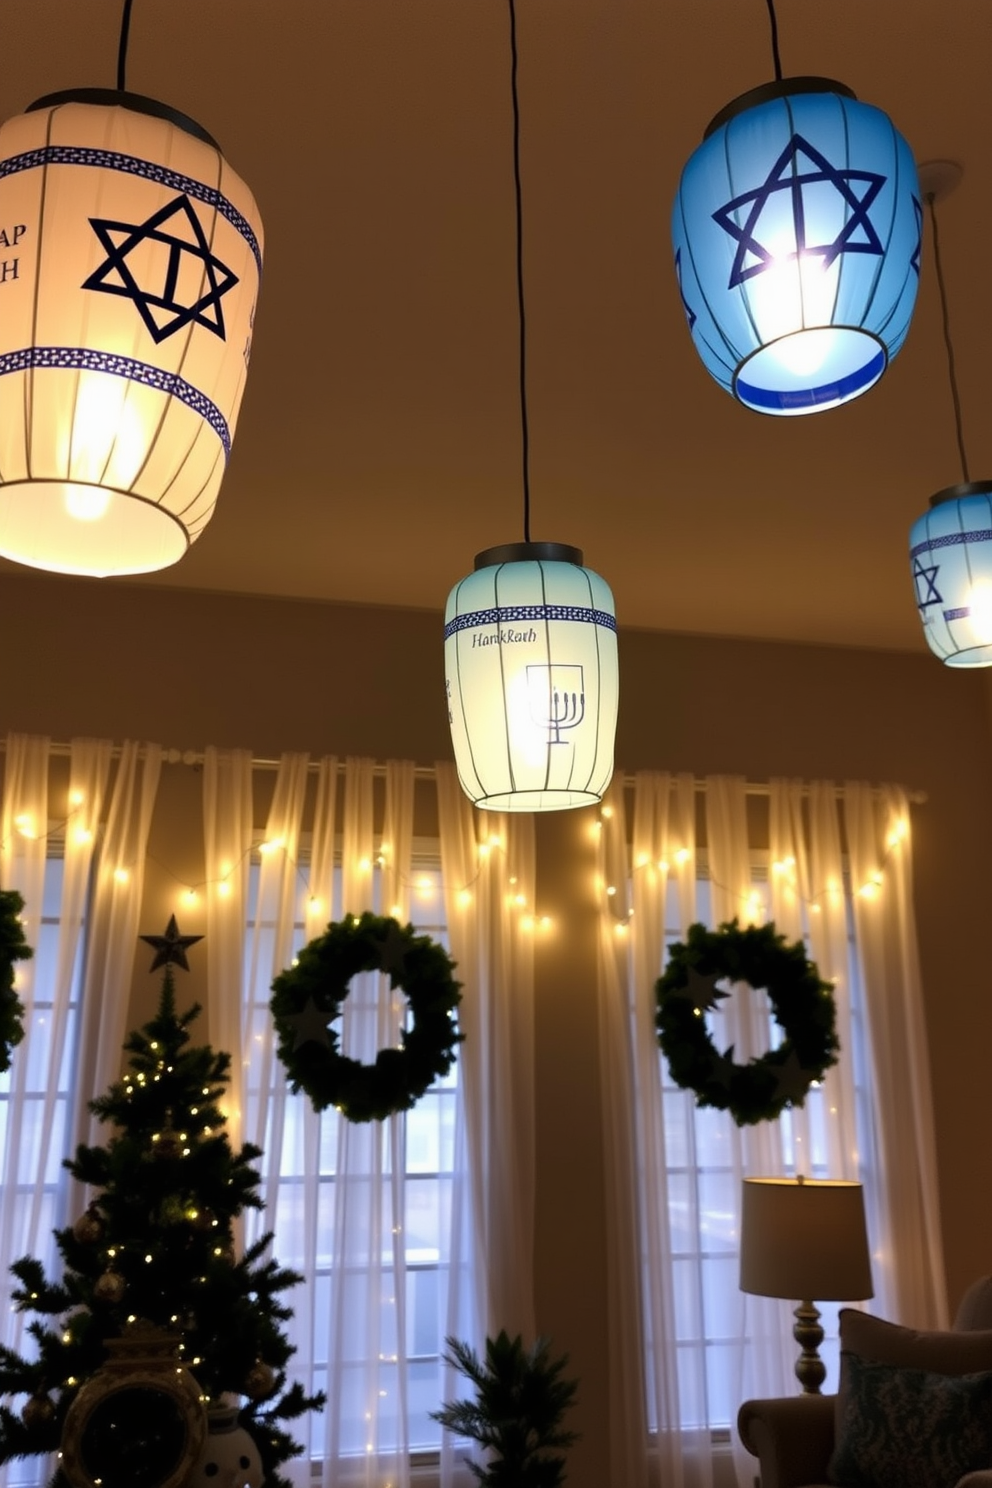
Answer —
557 698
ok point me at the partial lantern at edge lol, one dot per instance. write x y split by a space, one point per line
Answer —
797 232
950 550
530 654
130 260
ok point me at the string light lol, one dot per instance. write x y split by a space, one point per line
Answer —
752 898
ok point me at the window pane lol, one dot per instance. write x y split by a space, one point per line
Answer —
425 1143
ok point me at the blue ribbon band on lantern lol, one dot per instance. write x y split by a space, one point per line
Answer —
585 614
951 540
837 391
79 358
133 165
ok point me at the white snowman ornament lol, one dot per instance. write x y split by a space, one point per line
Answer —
229 1458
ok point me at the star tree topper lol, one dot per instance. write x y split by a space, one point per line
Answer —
170 948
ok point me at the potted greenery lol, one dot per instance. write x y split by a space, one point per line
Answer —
516 1415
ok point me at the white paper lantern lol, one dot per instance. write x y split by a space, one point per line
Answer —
530 651
130 257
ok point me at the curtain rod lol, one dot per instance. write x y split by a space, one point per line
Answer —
192 757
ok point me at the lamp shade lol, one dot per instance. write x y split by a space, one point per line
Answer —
530 655
130 257
950 552
797 231
804 1239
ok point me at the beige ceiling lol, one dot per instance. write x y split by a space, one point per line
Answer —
378 446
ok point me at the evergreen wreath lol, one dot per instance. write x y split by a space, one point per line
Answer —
802 1005
13 947
308 997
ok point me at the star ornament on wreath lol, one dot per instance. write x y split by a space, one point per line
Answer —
801 1002
308 997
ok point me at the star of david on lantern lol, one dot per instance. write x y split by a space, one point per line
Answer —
184 264
787 176
927 576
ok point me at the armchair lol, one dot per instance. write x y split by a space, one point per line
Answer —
890 1377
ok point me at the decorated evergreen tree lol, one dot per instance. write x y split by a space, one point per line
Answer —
156 1244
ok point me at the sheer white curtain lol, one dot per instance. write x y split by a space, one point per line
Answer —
227 839
113 929
641 1244
489 877
336 1186
74 847
911 1254
48 837
815 844
344 843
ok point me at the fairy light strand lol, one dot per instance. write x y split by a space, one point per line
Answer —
753 897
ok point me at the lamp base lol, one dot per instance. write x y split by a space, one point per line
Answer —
810 1368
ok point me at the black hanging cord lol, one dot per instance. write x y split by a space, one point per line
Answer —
945 321
122 48
775 56
522 319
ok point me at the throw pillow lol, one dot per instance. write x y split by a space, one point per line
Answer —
911 1428
950 1352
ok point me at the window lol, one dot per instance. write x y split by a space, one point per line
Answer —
389 1189
701 1172
37 1110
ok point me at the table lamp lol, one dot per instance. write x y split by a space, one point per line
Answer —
805 1238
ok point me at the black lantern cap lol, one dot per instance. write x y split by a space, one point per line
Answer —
781 88
528 552
963 488
136 102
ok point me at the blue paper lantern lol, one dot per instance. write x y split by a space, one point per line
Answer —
950 551
797 233
530 657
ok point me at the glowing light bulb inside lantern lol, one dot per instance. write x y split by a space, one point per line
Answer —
106 445
792 302
980 611
86 503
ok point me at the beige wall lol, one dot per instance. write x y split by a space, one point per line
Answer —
188 669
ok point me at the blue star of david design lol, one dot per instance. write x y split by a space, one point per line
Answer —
690 314
788 174
158 305
914 259
928 576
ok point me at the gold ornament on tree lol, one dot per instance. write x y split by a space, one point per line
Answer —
38 1411
88 1228
168 1144
110 1287
260 1380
